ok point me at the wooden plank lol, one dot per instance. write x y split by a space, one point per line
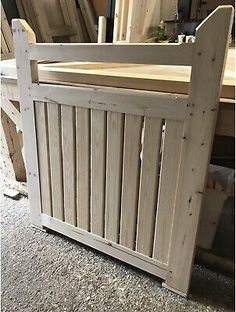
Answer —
43 156
12 112
208 62
116 30
69 8
6 165
169 9
113 174
89 19
14 147
63 30
144 103
26 73
98 148
153 53
123 20
83 26
148 185
133 20
42 21
68 160
115 250
83 167
130 180
101 7
6 30
31 16
102 27
4 47
55 154
167 189
20 9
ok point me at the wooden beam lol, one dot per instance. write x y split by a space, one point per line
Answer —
165 54
144 103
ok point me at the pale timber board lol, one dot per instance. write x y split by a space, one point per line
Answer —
98 152
115 250
42 21
68 160
145 103
148 185
9 89
4 47
55 155
209 61
43 155
6 30
89 19
165 54
26 73
14 139
74 20
102 27
116 29
172 79
12 112
130 179
123 20
83 167
167 188
114 153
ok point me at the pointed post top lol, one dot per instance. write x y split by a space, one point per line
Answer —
22 25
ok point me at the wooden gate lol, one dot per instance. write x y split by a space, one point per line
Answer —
123 170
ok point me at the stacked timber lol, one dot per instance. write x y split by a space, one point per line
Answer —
7 50
138 20
62 20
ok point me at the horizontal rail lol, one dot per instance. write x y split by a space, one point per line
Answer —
162 54
136 102
127 255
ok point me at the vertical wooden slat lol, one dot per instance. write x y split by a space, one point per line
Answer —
83 167
113 175
148 185
55 154
43 154
130 180
69 172
167 189
98 147
27 73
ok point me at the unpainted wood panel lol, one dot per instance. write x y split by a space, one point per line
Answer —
68 160
55 154
83 167
98 152
43 157
130 179
113 174
148 185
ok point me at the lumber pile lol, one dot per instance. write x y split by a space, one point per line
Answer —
62 20
7 50
137 20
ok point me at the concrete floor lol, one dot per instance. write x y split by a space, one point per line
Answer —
48 272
